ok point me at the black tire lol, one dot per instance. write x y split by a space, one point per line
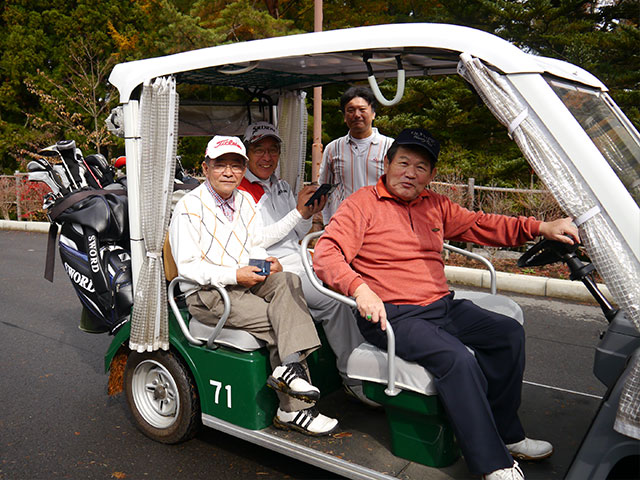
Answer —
162 396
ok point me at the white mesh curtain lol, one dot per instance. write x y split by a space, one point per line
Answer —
158 129
617 267
292 126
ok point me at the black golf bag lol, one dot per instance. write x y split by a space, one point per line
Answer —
91 208
95 254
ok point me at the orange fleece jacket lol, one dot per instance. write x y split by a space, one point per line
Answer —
395 247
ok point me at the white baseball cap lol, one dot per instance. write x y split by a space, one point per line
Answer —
219 145
259 130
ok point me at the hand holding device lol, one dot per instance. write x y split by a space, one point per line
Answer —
263 265
324 189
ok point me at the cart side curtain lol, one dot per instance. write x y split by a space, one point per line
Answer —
607 251
159 128
292 126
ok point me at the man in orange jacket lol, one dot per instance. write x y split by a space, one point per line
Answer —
383 247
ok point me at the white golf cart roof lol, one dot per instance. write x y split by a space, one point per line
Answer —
315 59
512 81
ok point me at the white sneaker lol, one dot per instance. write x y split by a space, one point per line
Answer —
511 473
357 393
292 379
529 449
308 421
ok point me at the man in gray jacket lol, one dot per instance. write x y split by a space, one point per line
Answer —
275 199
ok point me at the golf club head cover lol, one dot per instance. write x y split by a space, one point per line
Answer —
99 166
73 161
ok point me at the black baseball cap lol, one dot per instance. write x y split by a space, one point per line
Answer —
421 138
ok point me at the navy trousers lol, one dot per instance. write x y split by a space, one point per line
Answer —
481 394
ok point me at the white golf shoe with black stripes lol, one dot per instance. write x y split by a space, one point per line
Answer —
511 473
308 421
292 379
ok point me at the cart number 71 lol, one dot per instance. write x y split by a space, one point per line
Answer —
218 386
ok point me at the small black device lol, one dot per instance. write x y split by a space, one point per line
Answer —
324 189
263 265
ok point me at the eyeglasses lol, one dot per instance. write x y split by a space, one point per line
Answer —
222 167
261 152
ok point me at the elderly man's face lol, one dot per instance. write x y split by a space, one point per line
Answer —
263 157
408 174
224 173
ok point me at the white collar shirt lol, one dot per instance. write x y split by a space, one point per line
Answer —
276 202
352 164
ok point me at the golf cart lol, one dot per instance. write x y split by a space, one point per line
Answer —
178 372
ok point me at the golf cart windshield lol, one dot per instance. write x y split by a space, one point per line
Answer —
598 115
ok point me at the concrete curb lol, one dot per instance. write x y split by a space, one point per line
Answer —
506 282
40 227
528 284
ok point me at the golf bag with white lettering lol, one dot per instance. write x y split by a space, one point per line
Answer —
94 252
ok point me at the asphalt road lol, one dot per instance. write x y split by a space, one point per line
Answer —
57 421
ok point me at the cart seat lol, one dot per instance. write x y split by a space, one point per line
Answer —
228 337
419 426
493 303
370 363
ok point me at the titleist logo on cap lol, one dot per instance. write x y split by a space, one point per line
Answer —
227 141
221 145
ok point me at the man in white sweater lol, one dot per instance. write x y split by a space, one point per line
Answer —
215 230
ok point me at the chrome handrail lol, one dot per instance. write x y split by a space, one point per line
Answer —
479 258
182 324
391 389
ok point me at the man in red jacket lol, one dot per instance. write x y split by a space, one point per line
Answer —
383 247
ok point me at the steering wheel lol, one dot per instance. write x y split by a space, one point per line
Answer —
546 252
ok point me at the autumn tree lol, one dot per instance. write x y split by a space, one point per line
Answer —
76 102
603 39
55 56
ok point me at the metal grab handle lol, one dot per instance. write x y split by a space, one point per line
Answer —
479 258
248 68
374 84
391 389
183 326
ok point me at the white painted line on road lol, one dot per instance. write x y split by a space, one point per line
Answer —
562 389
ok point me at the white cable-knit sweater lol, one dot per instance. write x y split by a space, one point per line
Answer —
208 248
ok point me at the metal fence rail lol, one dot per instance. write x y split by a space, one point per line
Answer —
19 195
471 188
21 198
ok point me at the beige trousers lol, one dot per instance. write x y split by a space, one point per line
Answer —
273 311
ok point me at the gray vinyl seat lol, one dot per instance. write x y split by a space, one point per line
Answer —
198 333
228 337
369 363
